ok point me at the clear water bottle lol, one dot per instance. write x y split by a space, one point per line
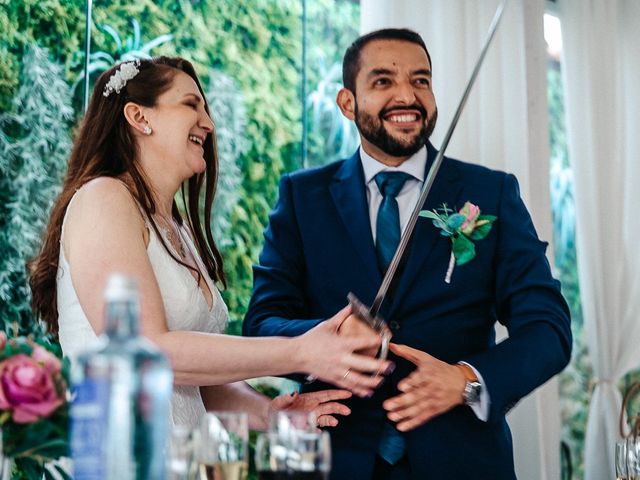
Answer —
121 397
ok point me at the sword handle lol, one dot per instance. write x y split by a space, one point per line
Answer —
377 323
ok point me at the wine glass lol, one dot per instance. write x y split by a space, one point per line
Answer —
293 448
633 457
286 423
307 456
621 460
221 446
180 460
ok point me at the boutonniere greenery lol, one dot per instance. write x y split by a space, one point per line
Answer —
463 227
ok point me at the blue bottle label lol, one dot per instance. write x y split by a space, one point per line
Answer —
89 420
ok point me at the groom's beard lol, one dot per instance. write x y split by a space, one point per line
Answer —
372 128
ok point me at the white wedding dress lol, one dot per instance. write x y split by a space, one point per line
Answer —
184 304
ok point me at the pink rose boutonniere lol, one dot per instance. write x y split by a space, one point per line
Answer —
463 227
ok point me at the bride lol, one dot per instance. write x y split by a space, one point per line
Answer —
146 135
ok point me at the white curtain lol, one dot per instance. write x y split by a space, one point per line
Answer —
504 126
602 83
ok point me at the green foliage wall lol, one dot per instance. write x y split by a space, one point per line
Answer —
34 145
56 25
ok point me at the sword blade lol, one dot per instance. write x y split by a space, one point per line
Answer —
391 272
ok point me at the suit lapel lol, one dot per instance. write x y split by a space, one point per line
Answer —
350 197
446 189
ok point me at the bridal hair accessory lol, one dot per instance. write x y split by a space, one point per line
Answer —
121 76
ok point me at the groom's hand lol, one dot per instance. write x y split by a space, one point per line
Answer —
433 388
354 327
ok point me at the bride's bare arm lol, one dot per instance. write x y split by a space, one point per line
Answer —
239 396
105 233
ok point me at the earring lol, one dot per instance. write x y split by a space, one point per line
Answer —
147 130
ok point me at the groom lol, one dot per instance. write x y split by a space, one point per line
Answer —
441 414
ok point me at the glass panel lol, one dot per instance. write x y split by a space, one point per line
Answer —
331 27
575 380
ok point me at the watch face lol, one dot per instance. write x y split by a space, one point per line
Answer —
472 392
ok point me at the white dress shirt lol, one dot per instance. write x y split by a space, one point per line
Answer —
407 199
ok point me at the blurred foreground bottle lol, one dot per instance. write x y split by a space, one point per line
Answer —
122 397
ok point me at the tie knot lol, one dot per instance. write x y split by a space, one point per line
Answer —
390 183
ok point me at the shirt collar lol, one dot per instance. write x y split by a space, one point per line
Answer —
414 165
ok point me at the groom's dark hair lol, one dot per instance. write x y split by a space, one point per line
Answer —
351 60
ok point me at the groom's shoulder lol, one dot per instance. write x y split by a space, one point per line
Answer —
472 169
315 175
472 173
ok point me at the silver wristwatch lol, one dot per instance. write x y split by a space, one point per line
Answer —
471 393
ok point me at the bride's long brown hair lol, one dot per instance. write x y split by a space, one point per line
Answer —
105 146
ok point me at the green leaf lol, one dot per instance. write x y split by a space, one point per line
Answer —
444 229
455 221
105 57
429 214
480 232
483 230
438 222
4 416
463 249
53 449
62 472
445 209
136 34
29 468
156 42
113 34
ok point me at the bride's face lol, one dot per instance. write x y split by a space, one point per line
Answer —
180 126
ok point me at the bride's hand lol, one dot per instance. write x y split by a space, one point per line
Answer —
322 403
331 357
353 327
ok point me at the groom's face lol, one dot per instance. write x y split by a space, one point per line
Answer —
394 106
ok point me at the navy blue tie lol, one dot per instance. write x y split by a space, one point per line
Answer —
392 446
388 222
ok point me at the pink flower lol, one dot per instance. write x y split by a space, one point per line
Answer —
27 388
47 359
3 340
471 212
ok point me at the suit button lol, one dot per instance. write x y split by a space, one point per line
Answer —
394 325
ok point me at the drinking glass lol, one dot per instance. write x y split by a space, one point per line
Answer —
307 456
293 448
286 423
221 446
633 458
621 460
180 460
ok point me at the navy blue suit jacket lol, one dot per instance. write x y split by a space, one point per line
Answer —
319 246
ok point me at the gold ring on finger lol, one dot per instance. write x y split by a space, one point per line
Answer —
346 374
